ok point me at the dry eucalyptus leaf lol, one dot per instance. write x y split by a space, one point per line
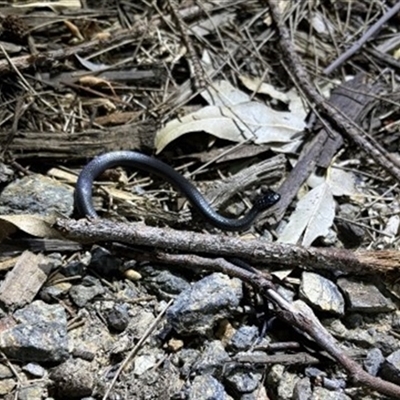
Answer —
34 225
256 85
342 183
54 5
232 116
223 93
91 66
289 148
392 227
282 274
211 24
313 217
238 123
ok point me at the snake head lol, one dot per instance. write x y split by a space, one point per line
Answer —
267 200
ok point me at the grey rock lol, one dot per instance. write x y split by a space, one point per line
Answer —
35 370
104 262
243 381
284 381
321 293
320 393
143 363
364 297
354 320
196 310
334 384
188 357
363 337
383 340
6 386
5 372
390 369
206 387
6 173
118 318
302 390
139 322
212 358
243 338
165 282
31 392
40 334
74 268
250 396
36 194
49 293
73 379
162 383
373 361
312 372
259 394
349 234
81 294
396 320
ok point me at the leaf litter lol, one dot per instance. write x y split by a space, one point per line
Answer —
65 111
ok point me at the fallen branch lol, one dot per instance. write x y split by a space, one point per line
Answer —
257 251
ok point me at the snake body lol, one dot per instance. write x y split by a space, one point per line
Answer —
133 159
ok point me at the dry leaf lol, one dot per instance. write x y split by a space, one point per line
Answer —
342 183
313 217
258 86
211 24
233 119
91 66
34 225
54 5
223 93
74 30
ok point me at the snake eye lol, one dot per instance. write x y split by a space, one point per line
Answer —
268 199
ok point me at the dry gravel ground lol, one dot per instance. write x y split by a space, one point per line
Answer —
152 302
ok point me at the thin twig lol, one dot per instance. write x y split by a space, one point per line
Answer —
27 61
131 354
370 33
198 73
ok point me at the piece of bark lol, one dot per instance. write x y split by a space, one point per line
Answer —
80 145
24 281
18 246
355 99
297 176
141 76
301 358
227 154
